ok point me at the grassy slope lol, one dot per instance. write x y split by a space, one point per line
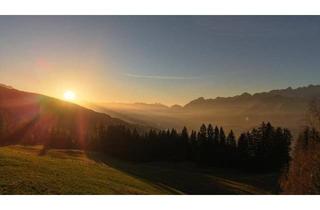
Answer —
24 171
187 178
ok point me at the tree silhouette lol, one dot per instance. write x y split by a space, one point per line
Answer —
203 144
210 132
264 148
184 144
216 138
222 137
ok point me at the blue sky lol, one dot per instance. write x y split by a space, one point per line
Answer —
167 59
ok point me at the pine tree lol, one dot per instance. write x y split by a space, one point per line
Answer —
210 134
193 146
202 134
222 137
184 134
231 140
193 137
243 146
184 143
216 138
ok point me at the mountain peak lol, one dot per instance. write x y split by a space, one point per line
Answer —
245 94
200 99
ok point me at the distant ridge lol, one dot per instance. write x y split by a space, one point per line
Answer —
284 107
305 92
302 93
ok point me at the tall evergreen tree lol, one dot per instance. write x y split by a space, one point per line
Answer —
184 144
222 137
210 134
193 145
231 140
243 145
202 137
231 149
184 134
216 139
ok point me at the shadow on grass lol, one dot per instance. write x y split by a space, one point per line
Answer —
178 181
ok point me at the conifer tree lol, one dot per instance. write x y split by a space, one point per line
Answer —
216 138
222 137
210 134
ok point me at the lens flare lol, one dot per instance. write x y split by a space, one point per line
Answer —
69 95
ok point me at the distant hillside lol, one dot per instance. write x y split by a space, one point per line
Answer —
285 107
30 118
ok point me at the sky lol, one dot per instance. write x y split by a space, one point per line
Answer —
158 59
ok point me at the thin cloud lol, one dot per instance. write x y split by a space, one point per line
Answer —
139 76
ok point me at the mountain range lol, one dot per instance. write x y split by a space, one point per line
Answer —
284 107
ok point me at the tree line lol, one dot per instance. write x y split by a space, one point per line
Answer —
264 148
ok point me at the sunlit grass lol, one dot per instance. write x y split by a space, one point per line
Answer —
24 171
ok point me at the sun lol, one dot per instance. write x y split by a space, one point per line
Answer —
69 95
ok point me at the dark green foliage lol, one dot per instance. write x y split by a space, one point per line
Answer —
265 148
222 137
262 149
216 138
210 134
243 148
184 144
202 135
231 140
192 146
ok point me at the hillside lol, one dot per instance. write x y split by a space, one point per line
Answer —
285 107
26 170
29 118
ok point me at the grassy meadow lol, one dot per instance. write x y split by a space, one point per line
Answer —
25 170
29 170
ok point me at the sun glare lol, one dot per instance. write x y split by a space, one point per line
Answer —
69 95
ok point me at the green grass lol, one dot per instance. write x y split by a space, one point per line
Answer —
25 170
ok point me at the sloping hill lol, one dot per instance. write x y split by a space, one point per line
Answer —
25 171
30 118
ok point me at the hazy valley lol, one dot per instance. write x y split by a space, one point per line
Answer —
286 107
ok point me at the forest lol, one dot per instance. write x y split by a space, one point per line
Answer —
264 148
